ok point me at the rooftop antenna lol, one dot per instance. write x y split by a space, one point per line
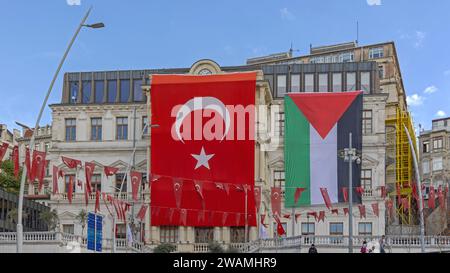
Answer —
357 32
292 50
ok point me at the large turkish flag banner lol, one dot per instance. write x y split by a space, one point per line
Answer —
206 133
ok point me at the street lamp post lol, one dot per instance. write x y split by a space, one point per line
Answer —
19 231
350 156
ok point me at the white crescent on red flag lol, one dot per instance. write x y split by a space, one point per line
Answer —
109 171
276 200
178 190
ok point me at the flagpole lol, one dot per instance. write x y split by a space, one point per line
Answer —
19 241
246 222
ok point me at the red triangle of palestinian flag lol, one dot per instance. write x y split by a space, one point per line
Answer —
323 110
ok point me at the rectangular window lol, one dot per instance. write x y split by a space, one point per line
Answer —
71 129
337 82
437 164
426 167
367 122
375 53
86 91
351 81
237 234
66 183
168 234
323 82
426 147
281 85
121 231
96 129
112 91
365 229
119 180
438 143
69 229
366 179
365 82
279 124
73 86
278 178
124 90
309 82
295 83
336 229
308 229
381 74
99 91
144 123
204 234
47 147
122 128
137 90
96 182
346 57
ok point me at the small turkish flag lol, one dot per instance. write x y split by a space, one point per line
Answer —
335 211
89 171
97 201
136 180
38 167
142 212
345 211
297 215
276 200
375 209
70 189
280 228
362 211
70 162
3 150
383 192
345 194
257 193
298 194
178 190
109 171
15 157
431 198
198 185
321 216
28 165
55 180
313 214
360 191
326 197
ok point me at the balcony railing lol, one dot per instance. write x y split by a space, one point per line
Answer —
127 196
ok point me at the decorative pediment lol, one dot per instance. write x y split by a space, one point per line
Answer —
142 165
205 67
277 162
369 161
67 216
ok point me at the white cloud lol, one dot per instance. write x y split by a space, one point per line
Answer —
420 38
286 14
73 2
414 100
430 89
374 2
441 114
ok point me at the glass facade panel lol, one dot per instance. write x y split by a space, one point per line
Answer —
323 82
99 91
365 82
112 91
122 128
281 85
73 86
96 129
295 83
86 91
124 90
337 82
71 129
309 82
137 95
351 81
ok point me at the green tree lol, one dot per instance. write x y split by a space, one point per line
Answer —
82 219
50 218
13 214
7 180
165 248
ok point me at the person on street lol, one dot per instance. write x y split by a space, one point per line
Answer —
382 243
364 247
312 249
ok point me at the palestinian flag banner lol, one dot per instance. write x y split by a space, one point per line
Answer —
317 130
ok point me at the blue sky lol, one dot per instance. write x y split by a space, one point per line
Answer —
161 34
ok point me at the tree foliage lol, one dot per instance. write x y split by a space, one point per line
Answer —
50 218
7 180
165 248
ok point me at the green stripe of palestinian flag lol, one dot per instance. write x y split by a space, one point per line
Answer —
296 164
